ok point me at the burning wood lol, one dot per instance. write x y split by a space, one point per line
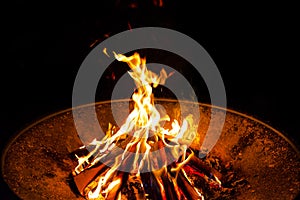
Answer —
113 169
84 178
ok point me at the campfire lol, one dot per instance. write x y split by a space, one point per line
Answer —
149 156
251 159
155 154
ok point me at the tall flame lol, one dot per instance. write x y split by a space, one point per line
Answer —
142 134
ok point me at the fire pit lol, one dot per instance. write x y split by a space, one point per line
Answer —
158 152
254 160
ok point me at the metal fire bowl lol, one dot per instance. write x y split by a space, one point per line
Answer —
37 164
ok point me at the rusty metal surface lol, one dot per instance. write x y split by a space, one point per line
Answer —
37 162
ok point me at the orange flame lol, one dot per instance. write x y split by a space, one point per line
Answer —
143 121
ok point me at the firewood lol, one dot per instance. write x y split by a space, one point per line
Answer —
188 189
168 186
115 190
151 186
203 167
84 178
133 188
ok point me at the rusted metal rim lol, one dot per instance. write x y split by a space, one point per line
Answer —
292 147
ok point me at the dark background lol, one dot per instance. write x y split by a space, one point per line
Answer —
254 46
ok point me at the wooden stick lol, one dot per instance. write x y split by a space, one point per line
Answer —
169 187
112 194
151 186
203 167
187 187
84 178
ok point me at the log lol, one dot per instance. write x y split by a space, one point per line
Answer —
187 188
151 186
113 193
133 188
84 178
203 167
169 187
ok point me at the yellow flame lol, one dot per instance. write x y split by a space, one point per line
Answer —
105 52
143 121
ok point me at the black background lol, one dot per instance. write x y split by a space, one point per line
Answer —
254 46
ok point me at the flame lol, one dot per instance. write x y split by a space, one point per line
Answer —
141 133
105 52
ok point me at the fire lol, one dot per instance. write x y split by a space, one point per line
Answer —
140 135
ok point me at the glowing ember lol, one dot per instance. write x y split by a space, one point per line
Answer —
158 3
133 144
